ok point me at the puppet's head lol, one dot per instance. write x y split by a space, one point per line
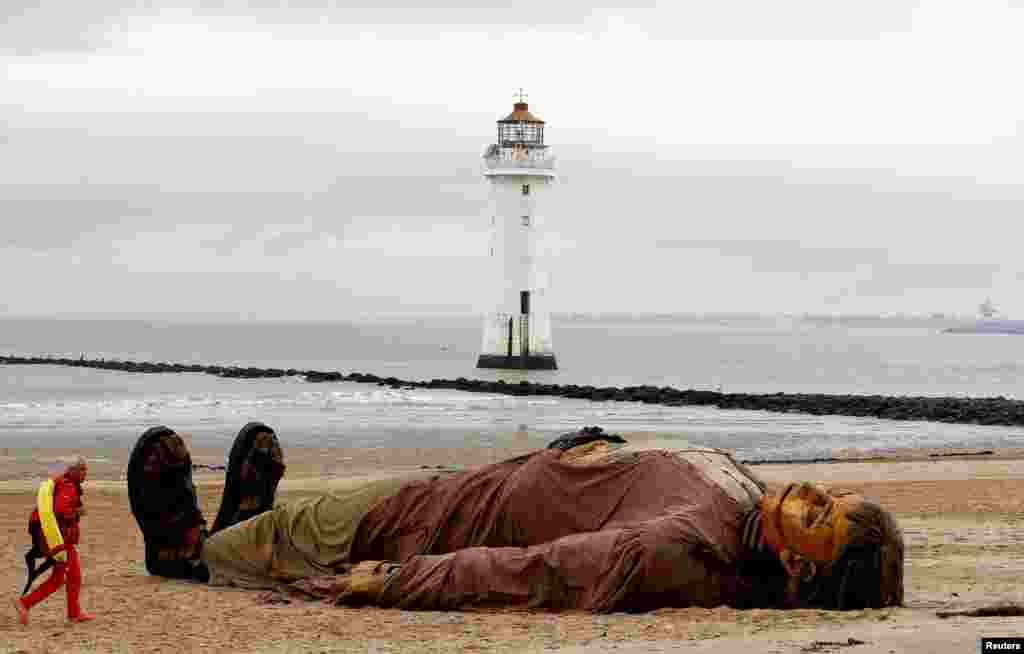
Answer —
847 550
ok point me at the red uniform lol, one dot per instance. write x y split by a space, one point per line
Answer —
67 506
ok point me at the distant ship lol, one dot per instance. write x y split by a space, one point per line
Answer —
986 309
990 323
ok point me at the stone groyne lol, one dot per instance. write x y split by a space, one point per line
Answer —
977 411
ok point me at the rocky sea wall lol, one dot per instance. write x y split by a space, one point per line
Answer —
979 411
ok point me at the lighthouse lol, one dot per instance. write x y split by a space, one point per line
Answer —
520 171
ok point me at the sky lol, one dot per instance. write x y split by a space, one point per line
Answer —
320 160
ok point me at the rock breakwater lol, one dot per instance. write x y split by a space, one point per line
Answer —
979 411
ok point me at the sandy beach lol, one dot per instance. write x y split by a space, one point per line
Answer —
962 518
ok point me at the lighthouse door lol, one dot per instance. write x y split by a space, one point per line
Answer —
511 323
524 326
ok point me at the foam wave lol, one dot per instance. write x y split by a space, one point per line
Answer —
346 413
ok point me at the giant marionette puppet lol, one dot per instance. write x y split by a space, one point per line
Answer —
577 525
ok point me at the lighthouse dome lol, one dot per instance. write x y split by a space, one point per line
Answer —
521 114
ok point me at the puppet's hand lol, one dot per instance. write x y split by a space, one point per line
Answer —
364 583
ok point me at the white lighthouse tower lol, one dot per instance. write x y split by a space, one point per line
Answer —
521 171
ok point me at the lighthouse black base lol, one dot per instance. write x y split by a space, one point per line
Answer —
517 362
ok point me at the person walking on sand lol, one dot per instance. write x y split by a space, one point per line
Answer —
54 526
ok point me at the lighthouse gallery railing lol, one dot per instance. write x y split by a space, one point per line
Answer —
502 160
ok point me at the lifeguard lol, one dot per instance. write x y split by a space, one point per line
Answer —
54 526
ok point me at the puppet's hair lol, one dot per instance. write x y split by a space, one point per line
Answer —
869 574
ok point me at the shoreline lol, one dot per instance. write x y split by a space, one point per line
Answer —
109 460
989 411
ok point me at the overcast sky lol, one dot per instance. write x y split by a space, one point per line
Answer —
312 160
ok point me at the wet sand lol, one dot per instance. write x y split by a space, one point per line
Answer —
963 519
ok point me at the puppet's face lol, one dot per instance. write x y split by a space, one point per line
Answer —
806 520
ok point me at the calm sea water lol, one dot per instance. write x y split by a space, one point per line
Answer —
52 405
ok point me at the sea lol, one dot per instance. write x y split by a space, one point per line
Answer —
52 406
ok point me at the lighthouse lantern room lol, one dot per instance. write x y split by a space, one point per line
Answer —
520 170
